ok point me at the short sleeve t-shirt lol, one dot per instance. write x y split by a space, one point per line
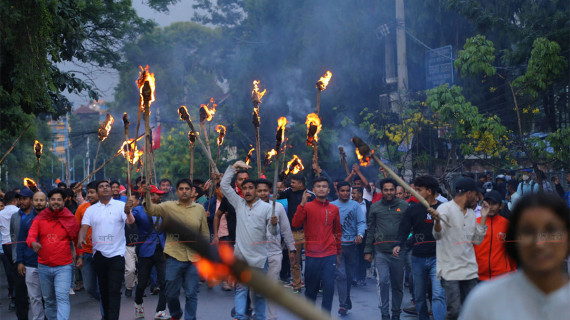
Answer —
108 225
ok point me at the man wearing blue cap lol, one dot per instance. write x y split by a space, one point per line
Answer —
20 289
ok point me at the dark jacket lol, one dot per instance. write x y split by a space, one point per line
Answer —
25 254
383 223
418 221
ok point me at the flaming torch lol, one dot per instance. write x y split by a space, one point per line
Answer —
221 130
268 156
207 114
146 85
126 149
279 138
31 184
314 126
256 100
38 148
294 166
185 116
103 133
343 159
192 139
364 153
322 85
249 154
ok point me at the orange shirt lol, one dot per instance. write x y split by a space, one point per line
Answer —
491 256
88 248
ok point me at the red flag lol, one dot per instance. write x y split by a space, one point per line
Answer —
156 138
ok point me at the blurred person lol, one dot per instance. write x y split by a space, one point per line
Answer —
456 263
150 253
501 186
180 267
50 236
166 186
353 225
27 259
384 219
400 193
323 233
254 221
275 254
359 180
491 255
527 185
107 219
512 195
567 194
418 220
537 240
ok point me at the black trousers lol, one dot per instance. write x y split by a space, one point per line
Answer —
145 269
6 258
110 273
21 293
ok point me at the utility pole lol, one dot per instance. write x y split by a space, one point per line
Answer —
86 167
402 73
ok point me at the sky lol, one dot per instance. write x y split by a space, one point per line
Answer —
107 80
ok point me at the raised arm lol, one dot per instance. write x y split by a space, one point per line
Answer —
300 215
226 186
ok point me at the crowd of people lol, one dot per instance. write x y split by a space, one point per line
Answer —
499 242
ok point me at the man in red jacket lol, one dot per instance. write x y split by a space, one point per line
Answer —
321 222
50 236
491 256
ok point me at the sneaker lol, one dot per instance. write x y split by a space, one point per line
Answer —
71 291
296 290
342 311
410 310
161 315
128 292
154 291
139 311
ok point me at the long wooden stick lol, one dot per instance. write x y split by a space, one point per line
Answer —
365 150
258 152
254 279
316 156
98 169
96 155
191 162
318 101
14 144
126 124
39 171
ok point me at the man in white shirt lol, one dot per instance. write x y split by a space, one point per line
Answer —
254 221
456 263
107 221
10 208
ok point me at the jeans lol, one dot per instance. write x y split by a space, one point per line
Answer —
390 275
319 270
241 302
89 277
424 270
406 256
455 293
273 270
110 273
146 265
362 265
299 238
55 283
35 293
181 274
344 274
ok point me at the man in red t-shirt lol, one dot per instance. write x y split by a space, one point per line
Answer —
321 223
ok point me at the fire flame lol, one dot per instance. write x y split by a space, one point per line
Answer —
294 166
281 123
324 81
221 130
364 160
130 152
214 272
313 128
183 113
206 113
30 183
38 148
270 155
255 94
249 154
105 127
144 76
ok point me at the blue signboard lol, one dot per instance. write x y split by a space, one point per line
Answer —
439 67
